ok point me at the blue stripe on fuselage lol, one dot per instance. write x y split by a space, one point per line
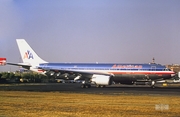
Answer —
119 66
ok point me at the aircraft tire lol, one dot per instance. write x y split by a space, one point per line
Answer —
152 86
82 86
97 86
102 86
85 86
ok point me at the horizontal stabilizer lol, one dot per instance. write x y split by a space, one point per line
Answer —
24 65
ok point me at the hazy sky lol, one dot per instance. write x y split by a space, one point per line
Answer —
123 31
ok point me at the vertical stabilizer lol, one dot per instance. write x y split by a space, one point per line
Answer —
27 53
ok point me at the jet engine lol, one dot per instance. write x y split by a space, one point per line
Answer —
101 79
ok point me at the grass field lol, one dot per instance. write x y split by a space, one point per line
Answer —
56 104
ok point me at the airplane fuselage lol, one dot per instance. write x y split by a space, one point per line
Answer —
122 73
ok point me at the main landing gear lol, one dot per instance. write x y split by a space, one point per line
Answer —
85 86
89 86
100 86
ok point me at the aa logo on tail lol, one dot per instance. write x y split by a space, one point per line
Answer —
28 55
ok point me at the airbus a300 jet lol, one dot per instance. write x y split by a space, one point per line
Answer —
101 74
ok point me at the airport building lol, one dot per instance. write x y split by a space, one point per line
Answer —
174 67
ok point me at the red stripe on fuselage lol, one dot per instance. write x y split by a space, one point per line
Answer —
158 73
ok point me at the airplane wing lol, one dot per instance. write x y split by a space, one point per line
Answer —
88 76
76 71
85 74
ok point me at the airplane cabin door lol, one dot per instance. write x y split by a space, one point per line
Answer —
153 68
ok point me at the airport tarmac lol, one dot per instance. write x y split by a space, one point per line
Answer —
109 90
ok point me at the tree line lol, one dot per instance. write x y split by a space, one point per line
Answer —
22 77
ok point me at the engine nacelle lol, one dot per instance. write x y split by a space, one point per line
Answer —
101 79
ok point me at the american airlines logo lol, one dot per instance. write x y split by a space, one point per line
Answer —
127 66
28 55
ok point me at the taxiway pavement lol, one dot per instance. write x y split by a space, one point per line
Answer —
109 90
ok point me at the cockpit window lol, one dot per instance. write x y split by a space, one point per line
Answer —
166 69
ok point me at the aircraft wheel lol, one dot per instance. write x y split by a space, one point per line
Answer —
152 86
87 86
97 86
102 86
82 86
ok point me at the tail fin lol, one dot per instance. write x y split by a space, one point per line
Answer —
27 53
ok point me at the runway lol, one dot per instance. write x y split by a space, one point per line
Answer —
109 90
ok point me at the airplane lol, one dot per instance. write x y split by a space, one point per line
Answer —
2 61
100 74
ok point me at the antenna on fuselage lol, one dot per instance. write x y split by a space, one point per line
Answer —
153 61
